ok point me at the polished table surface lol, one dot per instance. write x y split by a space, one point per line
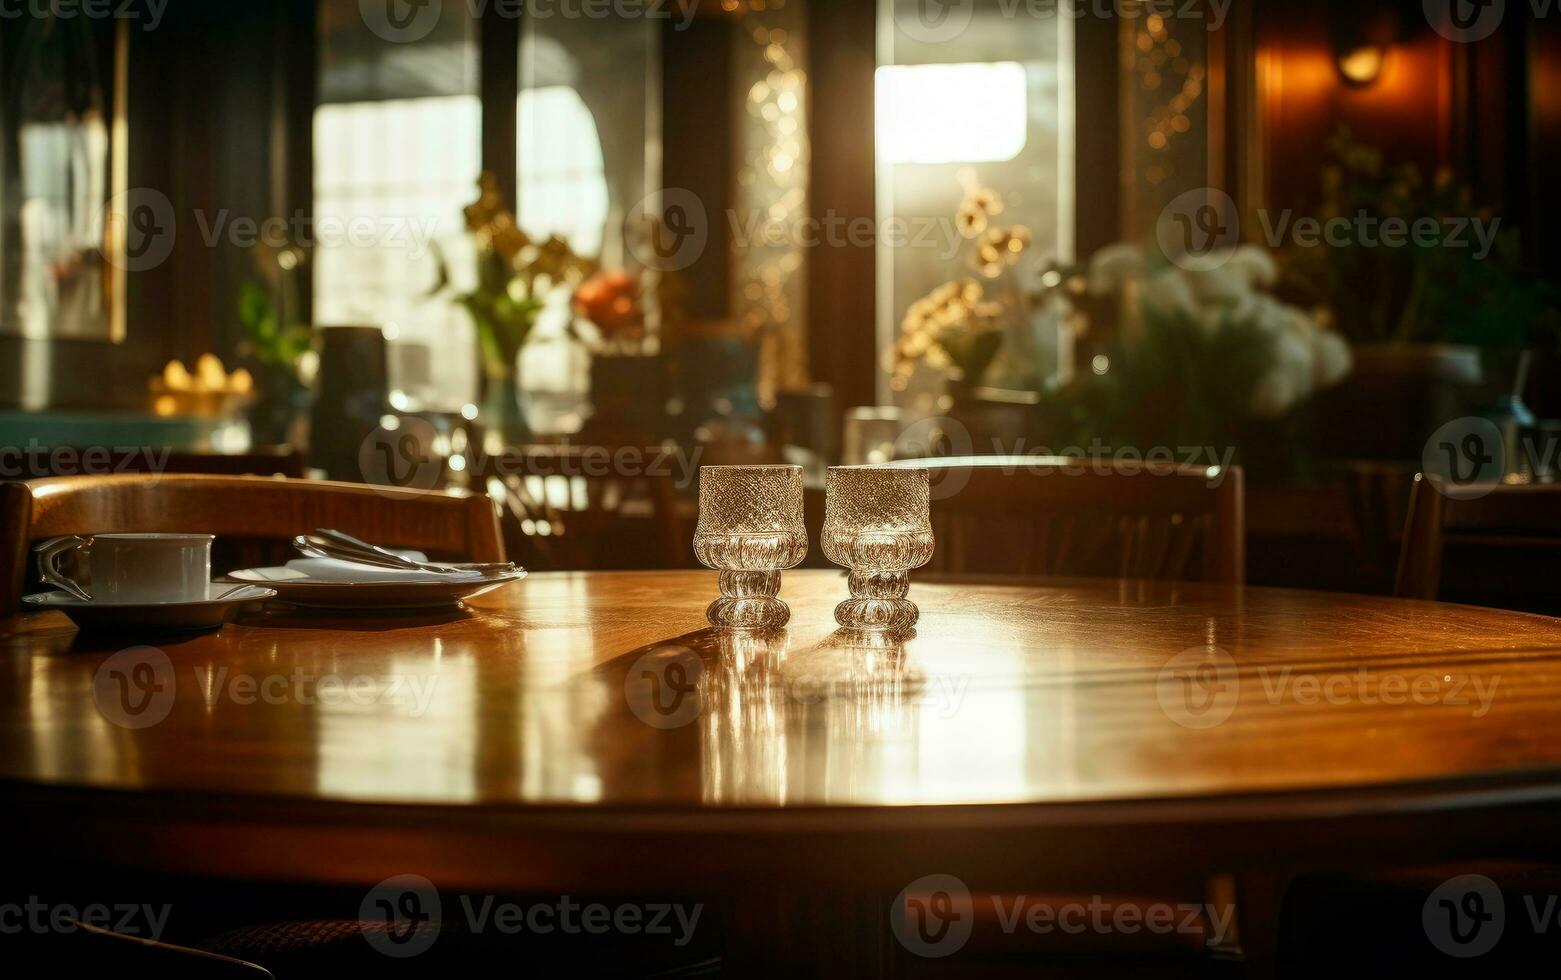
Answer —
577 716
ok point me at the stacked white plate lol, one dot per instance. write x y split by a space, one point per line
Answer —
334 584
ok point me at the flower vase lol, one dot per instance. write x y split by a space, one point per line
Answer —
501 412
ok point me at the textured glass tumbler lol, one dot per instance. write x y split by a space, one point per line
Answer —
877 524
750 528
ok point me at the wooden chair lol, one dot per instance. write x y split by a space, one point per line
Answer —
253 517
1506 543
1046 515
590 507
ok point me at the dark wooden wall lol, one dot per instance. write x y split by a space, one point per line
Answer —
1437 103
220 99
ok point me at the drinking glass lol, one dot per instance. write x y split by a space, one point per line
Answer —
750 528
877 524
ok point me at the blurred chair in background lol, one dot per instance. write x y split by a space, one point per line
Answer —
1489 544
591 507
254 518
1047 515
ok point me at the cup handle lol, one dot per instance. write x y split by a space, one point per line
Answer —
49 553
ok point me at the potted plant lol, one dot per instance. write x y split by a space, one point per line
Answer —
1436 328
1205 358
277 351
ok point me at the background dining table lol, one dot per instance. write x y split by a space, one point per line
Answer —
587 733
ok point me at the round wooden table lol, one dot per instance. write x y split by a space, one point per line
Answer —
587 732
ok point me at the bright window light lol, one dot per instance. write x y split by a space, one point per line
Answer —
965 113
562 187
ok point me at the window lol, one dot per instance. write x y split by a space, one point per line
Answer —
991 105
397 154
563 189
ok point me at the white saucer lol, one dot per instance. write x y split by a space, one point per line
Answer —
303 583
172 615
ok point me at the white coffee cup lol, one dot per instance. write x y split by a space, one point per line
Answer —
128 568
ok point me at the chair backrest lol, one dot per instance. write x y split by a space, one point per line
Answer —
253 517
1505 540
590 507
1046 515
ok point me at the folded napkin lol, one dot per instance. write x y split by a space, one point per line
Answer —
336 570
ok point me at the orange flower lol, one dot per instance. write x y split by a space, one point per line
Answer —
611 301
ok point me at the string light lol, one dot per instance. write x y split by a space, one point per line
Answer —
1162 67
772 189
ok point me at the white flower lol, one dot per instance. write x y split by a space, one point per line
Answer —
1331 358
1221 286
1274 394
1255 265
1115 265
1168 293
1293 356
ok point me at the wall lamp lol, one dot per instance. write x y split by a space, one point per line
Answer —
1363 33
